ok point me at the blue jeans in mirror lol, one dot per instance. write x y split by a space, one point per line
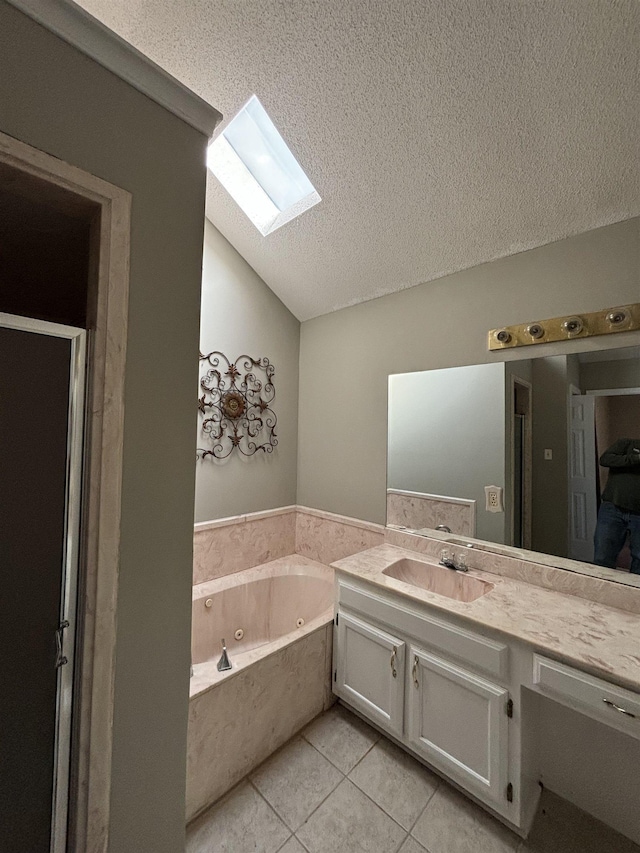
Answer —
611 532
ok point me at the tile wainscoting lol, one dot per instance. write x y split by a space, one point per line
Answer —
228 545
418 510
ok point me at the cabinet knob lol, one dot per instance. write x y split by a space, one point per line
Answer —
393 661
414 671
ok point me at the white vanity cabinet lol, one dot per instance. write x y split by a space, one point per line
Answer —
440 690
481 706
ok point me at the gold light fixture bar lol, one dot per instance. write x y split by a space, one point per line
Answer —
625 318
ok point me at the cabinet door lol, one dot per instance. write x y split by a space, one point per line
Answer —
370 671
459 723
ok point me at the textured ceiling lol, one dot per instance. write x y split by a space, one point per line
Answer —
439 133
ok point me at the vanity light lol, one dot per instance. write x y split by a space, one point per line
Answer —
618 317
625 318
572 326
535 330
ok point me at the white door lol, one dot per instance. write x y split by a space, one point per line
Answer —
459 723
583 508
370 671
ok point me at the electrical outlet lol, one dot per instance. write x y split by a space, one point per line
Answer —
493 499
548 454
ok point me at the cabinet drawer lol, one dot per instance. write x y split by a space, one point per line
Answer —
615 706
482 653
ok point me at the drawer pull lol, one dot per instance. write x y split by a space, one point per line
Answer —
393 661
615 707
414 671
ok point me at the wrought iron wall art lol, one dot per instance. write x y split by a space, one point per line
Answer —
236 405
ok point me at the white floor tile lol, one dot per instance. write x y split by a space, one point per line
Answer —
240 823
348 822
292 846
395 781
295 781
451 823
411 846
341 737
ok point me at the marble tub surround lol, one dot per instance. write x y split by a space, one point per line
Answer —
589 635
592 587
228 545
325 536
238 724
418 510
265 603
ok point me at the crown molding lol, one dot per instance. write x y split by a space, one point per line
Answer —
90 36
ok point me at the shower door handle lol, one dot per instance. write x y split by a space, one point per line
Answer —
60 658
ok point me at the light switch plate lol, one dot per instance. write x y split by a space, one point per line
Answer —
493 495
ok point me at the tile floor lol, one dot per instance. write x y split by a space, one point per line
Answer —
339 787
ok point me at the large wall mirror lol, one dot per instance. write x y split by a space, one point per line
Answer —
509 453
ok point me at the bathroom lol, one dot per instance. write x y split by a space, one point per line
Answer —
259 748
268 758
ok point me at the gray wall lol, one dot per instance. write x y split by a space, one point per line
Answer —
240 315
513 370
346 357
604 375
550 485
447 436
63 103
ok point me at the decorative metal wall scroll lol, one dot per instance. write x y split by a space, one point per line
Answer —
623 319
236 405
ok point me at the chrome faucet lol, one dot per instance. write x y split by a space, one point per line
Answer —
224 663
456 563
443 528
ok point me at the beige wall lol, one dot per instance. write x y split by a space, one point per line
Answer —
59 101
240 315
346 357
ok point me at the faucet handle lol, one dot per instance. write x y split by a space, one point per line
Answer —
461 563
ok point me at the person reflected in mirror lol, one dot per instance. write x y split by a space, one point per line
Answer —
619 512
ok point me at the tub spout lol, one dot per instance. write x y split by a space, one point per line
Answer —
224 663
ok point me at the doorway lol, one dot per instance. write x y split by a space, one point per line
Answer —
50 209
521 463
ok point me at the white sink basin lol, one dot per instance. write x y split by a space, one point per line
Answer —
437 579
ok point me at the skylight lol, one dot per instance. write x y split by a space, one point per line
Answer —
255 166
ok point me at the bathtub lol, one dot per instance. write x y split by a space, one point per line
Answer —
276 620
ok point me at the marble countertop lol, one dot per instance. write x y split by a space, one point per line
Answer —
591 636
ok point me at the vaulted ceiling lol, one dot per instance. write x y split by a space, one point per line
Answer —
439 133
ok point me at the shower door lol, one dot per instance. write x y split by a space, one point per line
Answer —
41 417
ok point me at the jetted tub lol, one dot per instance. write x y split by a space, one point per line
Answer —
276 620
